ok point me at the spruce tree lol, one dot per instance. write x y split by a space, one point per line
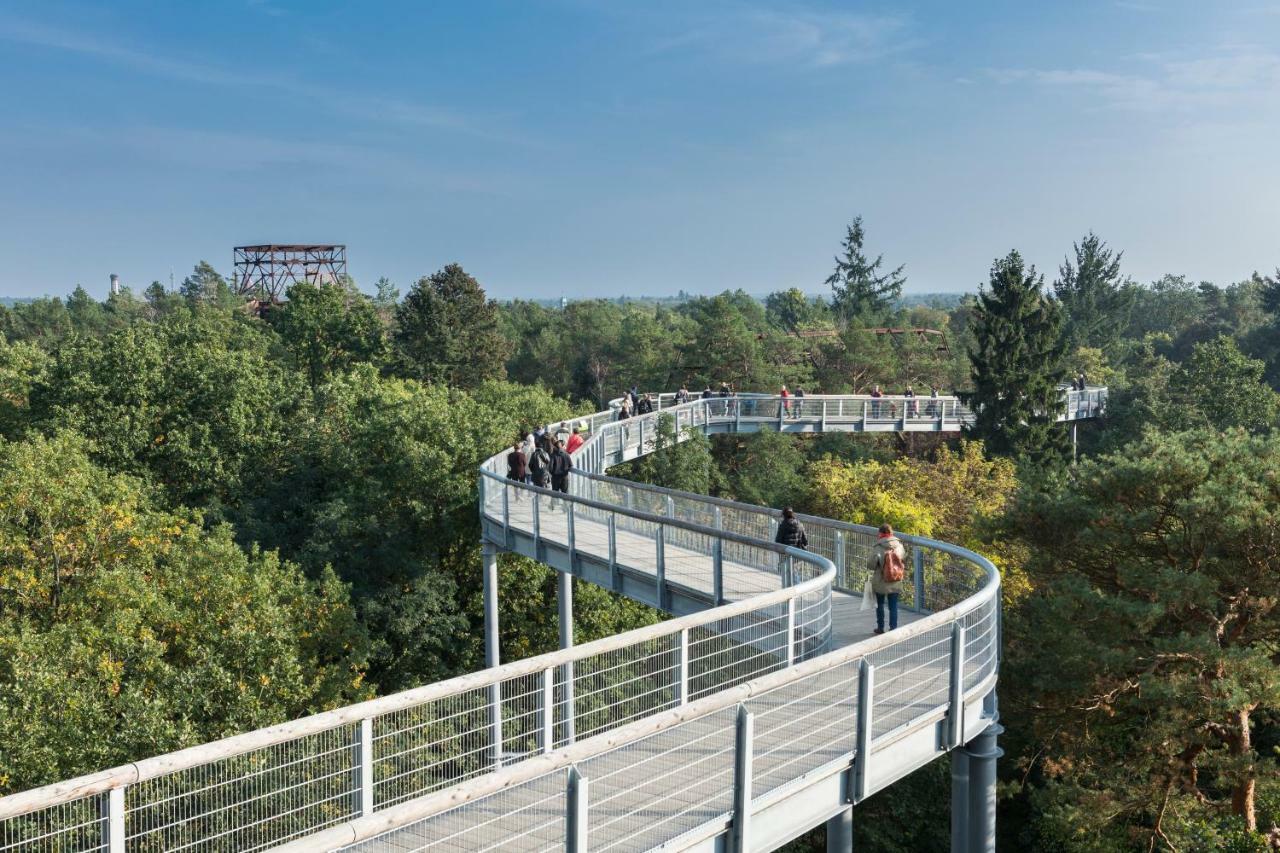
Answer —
447 331
861 294
1017 365
1096 300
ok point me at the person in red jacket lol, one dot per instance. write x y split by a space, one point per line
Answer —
576 440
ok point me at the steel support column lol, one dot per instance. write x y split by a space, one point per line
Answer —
489 561
959 801
840 832
565 597
982 753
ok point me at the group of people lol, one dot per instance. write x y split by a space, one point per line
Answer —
1078 383
543 458
635 403
887 564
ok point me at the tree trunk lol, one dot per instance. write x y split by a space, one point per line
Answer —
1242 796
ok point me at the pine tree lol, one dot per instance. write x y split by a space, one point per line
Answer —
860 293
1017 366
448 332
1096 300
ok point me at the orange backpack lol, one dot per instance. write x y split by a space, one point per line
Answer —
891 567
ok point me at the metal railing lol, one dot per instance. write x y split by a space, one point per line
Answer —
450 741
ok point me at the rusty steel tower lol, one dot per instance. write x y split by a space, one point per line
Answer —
264 273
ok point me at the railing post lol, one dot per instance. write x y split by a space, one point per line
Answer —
717 571
573 546
548 709
791 632
564 589
113 821
671 507
955 716
362 768
537 527
660 552
615 578
682 669
862 757
917 578
841 575
489 558
506 516
740 834
824 415
640 446
575 817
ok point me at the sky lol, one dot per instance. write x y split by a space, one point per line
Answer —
586 148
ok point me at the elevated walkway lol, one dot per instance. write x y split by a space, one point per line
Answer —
761 709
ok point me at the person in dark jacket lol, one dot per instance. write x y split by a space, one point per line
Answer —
791 531
517 466
645 406
707 393
561 465
540 467
682 396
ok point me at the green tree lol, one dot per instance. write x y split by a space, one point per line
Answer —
1017 365
329 328
791 310
142 627
1096 300
861 294
448 332
206 286
684 464
1147 653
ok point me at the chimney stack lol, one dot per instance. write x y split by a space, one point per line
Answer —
115 284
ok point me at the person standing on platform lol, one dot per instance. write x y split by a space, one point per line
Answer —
517 465
576 440
888 564
561 465
791 531
786 402
798 409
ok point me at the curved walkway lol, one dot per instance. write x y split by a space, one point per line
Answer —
762 710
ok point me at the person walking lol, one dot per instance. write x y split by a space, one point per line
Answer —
624 410
707 393
888 565
876 394
645 406
911 402
540 467
517 465
799 402
682 396
791 531
576 440
561 465
786 402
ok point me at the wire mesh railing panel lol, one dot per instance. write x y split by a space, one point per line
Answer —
79 825
527 817
431 746
658 788
804 725
912 678
615 688
250 801
737 649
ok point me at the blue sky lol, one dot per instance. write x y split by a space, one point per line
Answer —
600 148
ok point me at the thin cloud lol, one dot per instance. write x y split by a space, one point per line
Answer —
384 108
817 39
1243 75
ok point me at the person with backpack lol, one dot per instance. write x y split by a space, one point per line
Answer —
888 564
559 468
540 467
645 406
682 396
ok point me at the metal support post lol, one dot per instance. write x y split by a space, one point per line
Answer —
548 709
791 632
739 833
955 714
823 423
113 821
840 832
575 818
537 527
983 752
682 669
573 545
565 589
362 768
489 560
660 554
615 578
717 571
839 560
506 515
959 800
917 578
1074 427
862 757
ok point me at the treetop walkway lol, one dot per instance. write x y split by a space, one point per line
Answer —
763 708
